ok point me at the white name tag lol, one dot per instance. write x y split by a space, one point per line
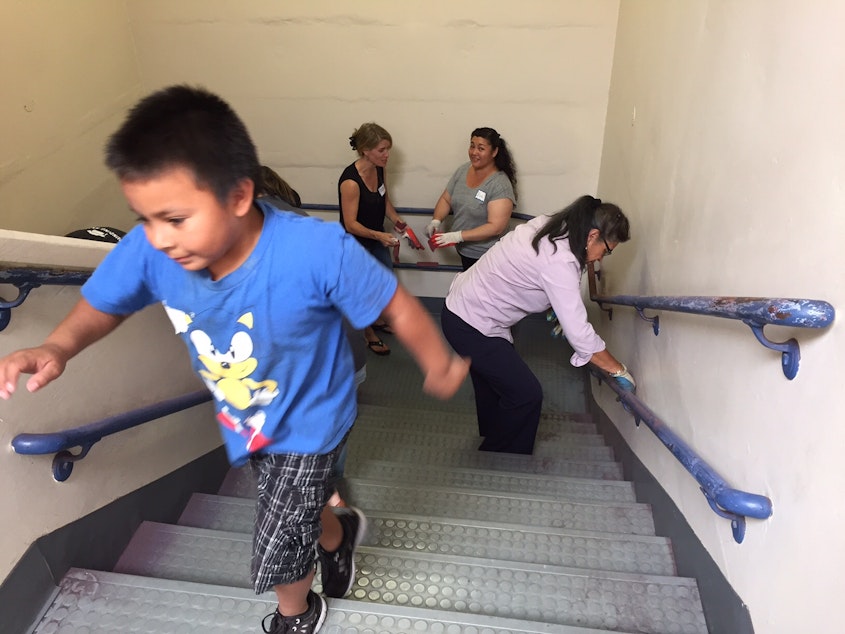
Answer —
480 195
382 189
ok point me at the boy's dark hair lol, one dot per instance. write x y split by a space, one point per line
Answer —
578 219
183 126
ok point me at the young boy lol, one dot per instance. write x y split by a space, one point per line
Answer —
258 296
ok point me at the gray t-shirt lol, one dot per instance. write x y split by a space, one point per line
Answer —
470 206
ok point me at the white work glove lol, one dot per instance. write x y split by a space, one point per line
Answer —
431 227
448 238
624 379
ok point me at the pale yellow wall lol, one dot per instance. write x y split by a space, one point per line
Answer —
139 364
724 143
304 74
68 72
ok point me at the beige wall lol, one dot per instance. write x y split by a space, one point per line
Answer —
304 74
135 366
724 143
68 72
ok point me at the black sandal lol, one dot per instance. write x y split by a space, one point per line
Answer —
378 343
385 328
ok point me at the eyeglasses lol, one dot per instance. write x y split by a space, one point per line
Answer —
607 249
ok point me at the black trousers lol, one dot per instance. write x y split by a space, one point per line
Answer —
508 397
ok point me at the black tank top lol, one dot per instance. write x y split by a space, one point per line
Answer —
371 205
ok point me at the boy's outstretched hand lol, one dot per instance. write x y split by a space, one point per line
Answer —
445 383
45 363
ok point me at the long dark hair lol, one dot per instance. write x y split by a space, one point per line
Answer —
503 160
578 219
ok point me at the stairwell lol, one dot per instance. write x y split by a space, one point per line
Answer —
460 541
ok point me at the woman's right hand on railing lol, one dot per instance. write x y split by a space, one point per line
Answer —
45 363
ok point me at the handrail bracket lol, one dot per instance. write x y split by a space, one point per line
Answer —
6 306
63 461
737 521
654 321
789 349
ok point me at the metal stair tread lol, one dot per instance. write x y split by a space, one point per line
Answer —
545 438
472 458
627 518
239 482
371 414
507 589
212 556
555 447
658 605
536 510
98 602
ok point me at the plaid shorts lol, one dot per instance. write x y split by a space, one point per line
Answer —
292 491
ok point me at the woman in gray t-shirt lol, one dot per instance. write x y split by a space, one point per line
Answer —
482 194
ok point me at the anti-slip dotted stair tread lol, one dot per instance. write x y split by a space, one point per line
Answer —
546 437
460 422
623 517
186 553
444 582
535 592
241 483
557 487
644 554
558 447
615 517
93 602
474 459
210 556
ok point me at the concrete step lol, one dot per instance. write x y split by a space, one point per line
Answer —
476 585
94 602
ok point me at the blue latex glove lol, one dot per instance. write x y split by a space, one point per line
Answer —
624 380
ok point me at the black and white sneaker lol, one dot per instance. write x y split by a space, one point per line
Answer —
309 622
337 569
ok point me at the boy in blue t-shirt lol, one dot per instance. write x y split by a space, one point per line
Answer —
258 296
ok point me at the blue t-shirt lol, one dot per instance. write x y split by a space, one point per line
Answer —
268 338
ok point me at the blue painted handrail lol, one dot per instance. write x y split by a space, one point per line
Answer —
27 279
725 501
413 211
755 312
84 437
